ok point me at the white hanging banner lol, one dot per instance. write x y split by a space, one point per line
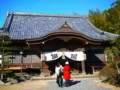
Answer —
49 56
77 56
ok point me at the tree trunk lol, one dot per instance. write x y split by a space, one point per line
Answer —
2 61
1 72
117 69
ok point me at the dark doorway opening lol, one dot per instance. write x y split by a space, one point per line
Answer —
76 67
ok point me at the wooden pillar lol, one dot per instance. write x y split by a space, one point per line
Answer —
93 69
21 59
40 60
21 55
21 65
78 67
42 69
83 67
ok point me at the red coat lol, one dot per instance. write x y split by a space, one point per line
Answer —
66 75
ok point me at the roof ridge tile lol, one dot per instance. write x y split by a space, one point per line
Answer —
49 15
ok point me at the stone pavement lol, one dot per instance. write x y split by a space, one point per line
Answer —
76 84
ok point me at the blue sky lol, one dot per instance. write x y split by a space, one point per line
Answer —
51 6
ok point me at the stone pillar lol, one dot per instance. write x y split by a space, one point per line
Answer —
83 67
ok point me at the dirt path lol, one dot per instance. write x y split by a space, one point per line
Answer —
28 85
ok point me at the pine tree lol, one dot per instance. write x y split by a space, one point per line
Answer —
5 54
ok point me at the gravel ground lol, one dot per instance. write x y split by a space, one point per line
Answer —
27 85
77 84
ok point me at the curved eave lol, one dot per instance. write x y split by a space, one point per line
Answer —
64 34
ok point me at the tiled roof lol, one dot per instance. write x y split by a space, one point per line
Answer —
65 28
31 25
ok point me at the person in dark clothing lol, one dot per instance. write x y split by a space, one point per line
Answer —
59 74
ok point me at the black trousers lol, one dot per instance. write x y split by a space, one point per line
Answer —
59 81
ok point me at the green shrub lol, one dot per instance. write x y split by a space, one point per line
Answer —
116 80
112 65
108 71
15 77
110 74
111 81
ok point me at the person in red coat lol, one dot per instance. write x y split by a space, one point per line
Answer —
67 75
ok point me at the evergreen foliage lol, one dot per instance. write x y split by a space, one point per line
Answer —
108 70
5 51
108 20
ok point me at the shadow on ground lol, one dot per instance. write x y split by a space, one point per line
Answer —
72 82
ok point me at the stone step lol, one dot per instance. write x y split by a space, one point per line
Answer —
54 78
